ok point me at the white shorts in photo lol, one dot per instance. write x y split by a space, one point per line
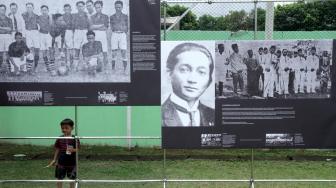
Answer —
102 37
119 41
79 38
33 39
69 39
6 40
20 64
45 41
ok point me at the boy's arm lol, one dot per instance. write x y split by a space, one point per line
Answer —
53 162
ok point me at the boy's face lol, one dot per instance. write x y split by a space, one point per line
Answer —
66 129
91 38
118 7
13 9
89 6
30 8
18 38
2 11
67 10
44 11
80 7
98 8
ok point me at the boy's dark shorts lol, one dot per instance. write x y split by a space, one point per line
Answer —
62 171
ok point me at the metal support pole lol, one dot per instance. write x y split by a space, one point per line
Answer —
165 20
255 19
77 145
252 169
164 169
129 126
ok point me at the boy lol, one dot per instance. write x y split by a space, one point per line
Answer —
65 154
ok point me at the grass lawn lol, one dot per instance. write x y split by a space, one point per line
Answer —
99 163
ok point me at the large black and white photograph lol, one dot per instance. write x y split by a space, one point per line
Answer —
187 89
46 42
273 69
65 41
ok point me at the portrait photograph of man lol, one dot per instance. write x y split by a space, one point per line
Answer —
187 74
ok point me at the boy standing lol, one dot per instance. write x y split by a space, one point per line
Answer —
65 154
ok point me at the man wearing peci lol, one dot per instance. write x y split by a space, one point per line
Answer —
190 67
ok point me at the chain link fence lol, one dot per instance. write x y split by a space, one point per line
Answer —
236 20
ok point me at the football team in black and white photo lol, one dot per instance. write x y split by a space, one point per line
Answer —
80 40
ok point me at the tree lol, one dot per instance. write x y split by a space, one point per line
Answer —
189 22
261 15
207 22
317 15
236 20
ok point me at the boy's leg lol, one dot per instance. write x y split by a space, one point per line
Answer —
114 58
123 48
72 185
59 184
60 173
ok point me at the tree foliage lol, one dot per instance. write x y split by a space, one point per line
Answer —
301 16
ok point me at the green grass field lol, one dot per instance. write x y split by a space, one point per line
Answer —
103 162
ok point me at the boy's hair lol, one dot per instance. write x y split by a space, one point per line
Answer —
67 5
13 4
18 34
67 121
4 6
89 1
44 6
56 16
98 3
119 2
30 3
80 2
90 32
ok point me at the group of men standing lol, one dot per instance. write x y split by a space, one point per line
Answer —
277 71
84 37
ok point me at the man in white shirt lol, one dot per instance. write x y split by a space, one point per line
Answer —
190 67
17 20
312 66
268 70
284 67
238 67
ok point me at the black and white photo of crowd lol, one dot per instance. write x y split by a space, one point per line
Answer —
64 41
273 69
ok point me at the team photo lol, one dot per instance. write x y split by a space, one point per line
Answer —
64 41
274 69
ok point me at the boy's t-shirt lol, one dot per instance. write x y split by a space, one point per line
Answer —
64 159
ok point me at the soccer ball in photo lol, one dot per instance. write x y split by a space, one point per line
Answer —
62 71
